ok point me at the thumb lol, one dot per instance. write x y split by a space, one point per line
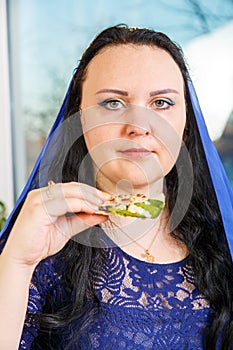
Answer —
82 221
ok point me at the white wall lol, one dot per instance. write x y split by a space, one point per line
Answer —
210 58
6 167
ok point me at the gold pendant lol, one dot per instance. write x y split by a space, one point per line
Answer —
148 256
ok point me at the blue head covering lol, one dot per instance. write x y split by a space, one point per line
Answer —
221 184
33 181
220 181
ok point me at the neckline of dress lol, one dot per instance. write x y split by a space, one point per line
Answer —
113 245
178 263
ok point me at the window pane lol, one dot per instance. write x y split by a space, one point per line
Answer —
48 37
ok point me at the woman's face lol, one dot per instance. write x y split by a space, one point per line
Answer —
133 115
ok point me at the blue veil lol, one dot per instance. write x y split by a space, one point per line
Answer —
221 184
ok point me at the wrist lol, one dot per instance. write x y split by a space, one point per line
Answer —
10 263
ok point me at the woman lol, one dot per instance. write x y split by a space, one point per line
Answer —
131 98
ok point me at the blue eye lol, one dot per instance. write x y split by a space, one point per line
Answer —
164 103
112 104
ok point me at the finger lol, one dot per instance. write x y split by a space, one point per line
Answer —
61 206
80 222
93 219
75 190
80 190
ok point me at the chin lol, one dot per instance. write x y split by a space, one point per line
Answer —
131 177
136 183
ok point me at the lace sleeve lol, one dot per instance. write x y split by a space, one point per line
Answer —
45 278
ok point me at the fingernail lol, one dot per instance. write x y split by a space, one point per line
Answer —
106 195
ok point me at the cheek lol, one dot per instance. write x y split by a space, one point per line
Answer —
169 132
180 126
170 136
98 139
178 119
168 160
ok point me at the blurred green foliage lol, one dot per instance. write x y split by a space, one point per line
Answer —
2 214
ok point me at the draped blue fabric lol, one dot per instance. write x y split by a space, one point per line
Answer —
221 184
33 181
220 181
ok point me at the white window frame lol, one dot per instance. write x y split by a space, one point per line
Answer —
6 158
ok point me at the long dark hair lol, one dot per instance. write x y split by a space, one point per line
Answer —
201 228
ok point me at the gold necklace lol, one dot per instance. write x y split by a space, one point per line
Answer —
146 255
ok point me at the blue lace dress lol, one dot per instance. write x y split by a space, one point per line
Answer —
142 306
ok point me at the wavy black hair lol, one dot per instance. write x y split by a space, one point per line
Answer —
201 228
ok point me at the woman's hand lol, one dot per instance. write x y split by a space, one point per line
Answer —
43 228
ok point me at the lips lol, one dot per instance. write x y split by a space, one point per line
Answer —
136 152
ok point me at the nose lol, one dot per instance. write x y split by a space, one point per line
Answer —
135 130
137 122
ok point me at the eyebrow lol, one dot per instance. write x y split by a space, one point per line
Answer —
163 91
125 93
115 91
